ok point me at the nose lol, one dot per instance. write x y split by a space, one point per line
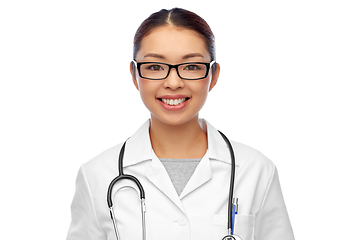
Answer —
173 81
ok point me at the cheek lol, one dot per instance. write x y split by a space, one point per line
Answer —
148 90
201 89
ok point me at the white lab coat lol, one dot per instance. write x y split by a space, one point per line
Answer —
200 212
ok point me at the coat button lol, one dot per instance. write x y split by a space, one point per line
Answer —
182 221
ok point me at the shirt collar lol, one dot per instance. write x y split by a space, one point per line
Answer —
139 148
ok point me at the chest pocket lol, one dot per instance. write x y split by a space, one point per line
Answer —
244 226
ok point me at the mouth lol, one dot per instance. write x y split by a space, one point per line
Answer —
173 102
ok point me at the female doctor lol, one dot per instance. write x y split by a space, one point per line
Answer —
182 162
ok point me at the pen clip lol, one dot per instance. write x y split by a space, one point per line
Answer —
236 204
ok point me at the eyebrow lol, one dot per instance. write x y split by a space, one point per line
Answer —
154 55
190 55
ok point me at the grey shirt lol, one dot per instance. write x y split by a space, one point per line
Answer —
180 171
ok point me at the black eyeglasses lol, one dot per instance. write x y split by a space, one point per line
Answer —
187 71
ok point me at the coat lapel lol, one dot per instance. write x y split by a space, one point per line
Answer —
201 175
157 174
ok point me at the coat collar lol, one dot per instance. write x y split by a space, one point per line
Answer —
217 147
139 148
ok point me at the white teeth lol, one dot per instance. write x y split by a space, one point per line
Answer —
173 102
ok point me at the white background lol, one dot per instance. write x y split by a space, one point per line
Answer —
66 95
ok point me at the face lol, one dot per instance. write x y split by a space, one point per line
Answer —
173 100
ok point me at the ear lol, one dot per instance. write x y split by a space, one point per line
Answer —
133 74
215 76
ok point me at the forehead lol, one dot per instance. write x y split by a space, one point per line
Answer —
173 44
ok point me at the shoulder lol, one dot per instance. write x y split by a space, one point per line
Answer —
253 160
246 157
104 165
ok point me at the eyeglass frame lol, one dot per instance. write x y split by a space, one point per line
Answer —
208 67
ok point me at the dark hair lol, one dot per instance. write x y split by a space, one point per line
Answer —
178 17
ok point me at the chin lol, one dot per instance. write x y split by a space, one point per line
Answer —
174 120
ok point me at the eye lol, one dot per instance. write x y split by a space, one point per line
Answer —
192 67
154 67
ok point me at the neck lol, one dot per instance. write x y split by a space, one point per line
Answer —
183 141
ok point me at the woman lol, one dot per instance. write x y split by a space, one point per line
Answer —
182 161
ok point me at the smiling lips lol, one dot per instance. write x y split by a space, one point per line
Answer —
173 102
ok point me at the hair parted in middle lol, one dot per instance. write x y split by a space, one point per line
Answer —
180 18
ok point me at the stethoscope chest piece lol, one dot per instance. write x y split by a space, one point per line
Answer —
232 237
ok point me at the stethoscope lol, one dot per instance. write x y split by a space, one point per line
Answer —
232 203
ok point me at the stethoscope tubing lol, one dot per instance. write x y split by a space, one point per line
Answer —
232 179
122 176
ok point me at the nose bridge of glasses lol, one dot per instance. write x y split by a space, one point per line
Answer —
170 67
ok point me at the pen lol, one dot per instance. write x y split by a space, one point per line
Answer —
234 211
